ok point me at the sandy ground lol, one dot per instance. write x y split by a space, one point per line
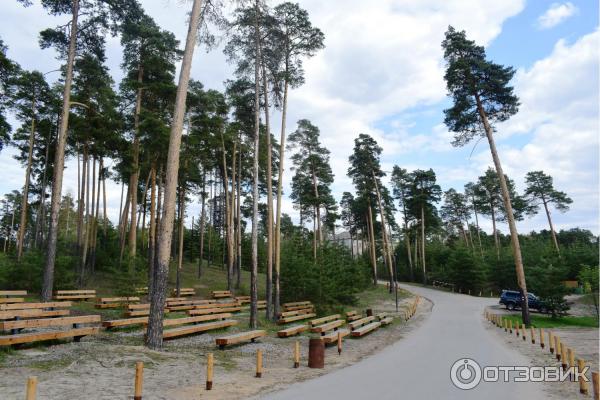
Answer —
583 341
102 367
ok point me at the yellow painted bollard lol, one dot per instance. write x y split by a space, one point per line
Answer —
583 388
542 338
505 325
297 354
551 341
563 356
510 326
31 388
209 371
139 378
339 343
557 347
532 335
596 386
259 363
524 332
517 328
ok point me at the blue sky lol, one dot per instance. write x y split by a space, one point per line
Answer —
381 73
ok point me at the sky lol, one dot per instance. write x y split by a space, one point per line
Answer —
381 73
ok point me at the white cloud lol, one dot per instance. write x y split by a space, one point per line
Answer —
556 14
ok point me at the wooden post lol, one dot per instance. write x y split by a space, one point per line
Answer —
510 326
563 356
209 371
524 332
139 378
557 347
517 328
31 388
339 343
583 388
297 354
505 325
551 342
532 335
316 353
259 363
542 338
571 355
596 386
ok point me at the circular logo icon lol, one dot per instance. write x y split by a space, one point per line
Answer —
465 373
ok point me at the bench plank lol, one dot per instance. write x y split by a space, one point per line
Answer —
13 292
386 321
32 313
82 291
204 311
124 322
187 330
327 326
24 306
12 299
41 336
286 320
363 330
239 337
322 320
45 322
141 313
363 321
292 331
331 337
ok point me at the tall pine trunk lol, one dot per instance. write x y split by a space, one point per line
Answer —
59 161
154 333
372 242
25 197
135 172
423 264
202 222
552 231
514 236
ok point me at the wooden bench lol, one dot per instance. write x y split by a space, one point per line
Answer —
299 317
46 322
221 294
115 302
296 303
185 292
328 326
322 320
74 294
360 322
205 311
141 313
239 338
8 296
183 305
32 313
331 337
141 290
292 331
363 330
167 322
188 330
50 305
21 338
243 299
353 316
386 320
116 323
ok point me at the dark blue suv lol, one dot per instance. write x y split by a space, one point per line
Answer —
512 299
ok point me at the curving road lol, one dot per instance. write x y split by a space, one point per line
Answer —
418 366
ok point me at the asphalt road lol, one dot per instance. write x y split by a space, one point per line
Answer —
418 366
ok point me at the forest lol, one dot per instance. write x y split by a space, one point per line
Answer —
169 142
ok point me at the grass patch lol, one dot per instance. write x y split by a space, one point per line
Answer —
542 321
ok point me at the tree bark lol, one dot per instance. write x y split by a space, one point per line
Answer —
254 270
202 222
152 227
423 264
384 233
134 178
41 215
514 236
228 236
372 242
239 221
180 241
496 239
477 225
552 231
25 196
154 333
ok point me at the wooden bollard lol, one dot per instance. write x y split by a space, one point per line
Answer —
209 371
339 343
563 356
369 312
469 292
259 363
571 355
31 388
139 379
557 347
297 354
517 328
532 335
524 332
596 386
583 388
480 293
505 325
542 338
510 326
551 341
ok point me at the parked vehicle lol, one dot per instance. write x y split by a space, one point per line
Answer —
512 299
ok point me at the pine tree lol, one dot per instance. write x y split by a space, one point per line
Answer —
482 96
